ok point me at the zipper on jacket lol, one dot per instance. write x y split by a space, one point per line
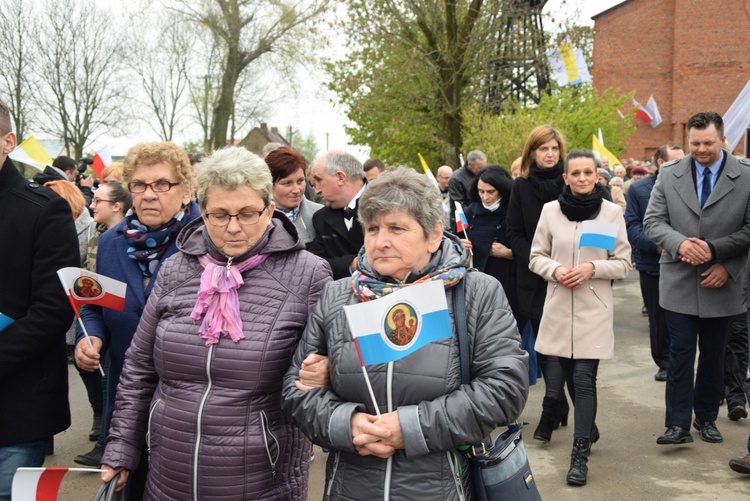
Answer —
572 294
229 265
333 475
454 460
148 429
389 461
266 427
597 297
200 420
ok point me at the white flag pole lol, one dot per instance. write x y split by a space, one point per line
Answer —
88 338
372 394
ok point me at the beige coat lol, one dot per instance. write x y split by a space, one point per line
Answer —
577 323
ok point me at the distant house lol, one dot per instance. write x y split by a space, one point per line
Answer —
261 136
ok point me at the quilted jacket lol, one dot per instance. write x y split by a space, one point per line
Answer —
436 413
211 416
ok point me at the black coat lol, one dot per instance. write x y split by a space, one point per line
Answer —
524 210
485 228
37 237
333 242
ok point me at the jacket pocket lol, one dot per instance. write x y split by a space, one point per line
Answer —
151 411
597 296
271 443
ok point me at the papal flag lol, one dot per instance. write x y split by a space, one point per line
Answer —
398 324
31 152
598 147
568 64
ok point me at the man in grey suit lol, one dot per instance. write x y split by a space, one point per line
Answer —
699 213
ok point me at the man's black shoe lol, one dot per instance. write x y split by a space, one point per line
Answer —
661 375
708 430
91 458
675 435
737 412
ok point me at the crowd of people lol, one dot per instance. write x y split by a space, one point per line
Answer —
235 351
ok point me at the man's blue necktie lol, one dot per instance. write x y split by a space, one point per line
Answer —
706 189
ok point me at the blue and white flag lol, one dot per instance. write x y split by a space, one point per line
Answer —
5 321
599 234
394 326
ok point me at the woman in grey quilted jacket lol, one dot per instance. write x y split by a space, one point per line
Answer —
202 378
410 453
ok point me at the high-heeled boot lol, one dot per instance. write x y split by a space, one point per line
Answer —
563 409
547 422
579 470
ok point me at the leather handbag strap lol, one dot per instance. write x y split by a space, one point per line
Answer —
459 316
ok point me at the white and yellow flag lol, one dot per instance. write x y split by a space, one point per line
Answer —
31 152
568 64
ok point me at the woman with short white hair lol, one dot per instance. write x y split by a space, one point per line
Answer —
202 379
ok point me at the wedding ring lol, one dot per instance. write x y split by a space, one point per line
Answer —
580 282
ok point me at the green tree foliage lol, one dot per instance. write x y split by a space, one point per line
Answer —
412 67
578 112
306 145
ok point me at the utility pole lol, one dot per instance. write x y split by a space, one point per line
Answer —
327 134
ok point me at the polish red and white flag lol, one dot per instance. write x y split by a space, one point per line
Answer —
84 287
101 160
41 484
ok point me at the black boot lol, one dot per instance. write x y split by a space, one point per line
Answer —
562 412
91 458
96 428
578 459
547 422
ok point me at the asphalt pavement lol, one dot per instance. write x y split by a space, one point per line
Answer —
626 464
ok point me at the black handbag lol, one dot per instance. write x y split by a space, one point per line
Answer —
501 468
107 491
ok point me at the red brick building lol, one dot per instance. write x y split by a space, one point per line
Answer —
692 55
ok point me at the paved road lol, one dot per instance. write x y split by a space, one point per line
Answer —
626 464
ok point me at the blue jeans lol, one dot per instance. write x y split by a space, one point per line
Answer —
12 457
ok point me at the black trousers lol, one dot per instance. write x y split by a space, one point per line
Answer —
554 379
735 363
710 335
581 375
657 320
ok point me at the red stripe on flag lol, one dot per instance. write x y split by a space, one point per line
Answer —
111 301
49 484
73 304
359 353
643 115
98 166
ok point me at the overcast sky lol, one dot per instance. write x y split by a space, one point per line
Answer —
311 111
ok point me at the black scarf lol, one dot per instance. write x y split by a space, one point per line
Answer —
547 183
581 207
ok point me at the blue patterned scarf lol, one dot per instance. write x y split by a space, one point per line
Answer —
147 246
368 288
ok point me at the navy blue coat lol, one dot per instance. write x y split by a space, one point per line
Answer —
644 250
116 328
486 227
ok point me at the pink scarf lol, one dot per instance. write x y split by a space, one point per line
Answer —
218 299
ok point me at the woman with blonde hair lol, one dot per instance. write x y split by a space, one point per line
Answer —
159 177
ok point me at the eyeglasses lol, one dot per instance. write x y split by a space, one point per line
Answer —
95 201
244 218
157 186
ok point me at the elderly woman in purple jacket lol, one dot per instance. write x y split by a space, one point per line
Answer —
202 378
